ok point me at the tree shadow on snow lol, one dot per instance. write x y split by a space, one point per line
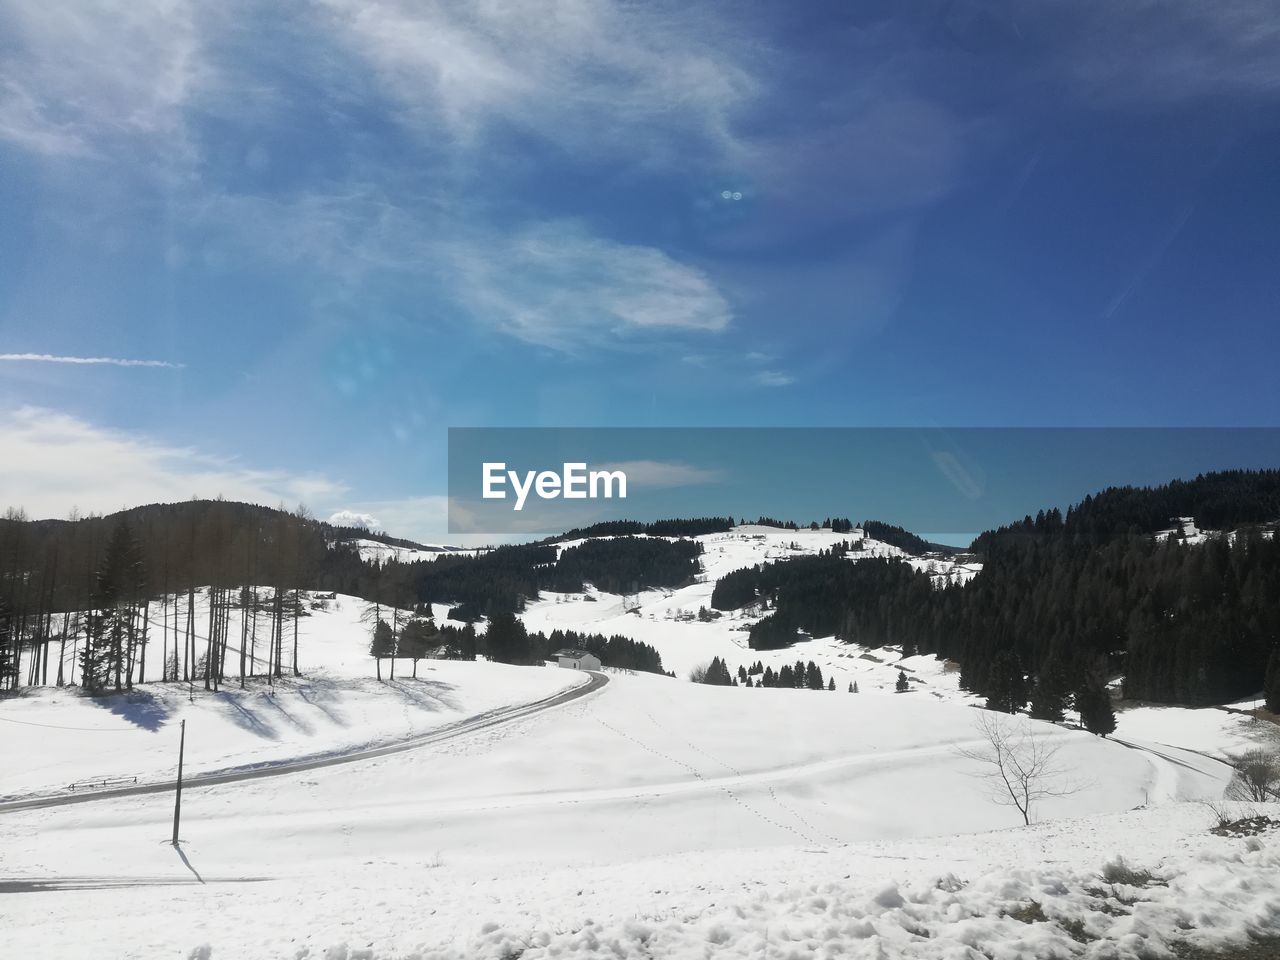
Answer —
430 695
140 707
245 717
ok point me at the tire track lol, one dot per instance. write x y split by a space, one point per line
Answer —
482 721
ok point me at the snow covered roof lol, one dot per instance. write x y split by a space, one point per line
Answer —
572 654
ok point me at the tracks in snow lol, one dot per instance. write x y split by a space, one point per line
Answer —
492 718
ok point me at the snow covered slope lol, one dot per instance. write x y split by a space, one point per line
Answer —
337 705
667 619
760 782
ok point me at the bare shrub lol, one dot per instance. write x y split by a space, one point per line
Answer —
1257 776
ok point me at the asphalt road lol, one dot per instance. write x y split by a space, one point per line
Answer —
237 774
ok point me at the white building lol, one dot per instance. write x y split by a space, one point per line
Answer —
576 660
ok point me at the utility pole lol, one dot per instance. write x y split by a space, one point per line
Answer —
177 800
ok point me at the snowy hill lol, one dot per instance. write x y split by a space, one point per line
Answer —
667 619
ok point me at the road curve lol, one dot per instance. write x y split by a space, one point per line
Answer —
480 721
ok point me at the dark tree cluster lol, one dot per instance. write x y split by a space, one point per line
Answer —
717 674
502 580
770 522
508 641
626 564
867 602
801 676
1222 500
903 539
676 527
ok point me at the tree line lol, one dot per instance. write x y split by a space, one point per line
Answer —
106 589
106 586
1064 603
676 527
506 640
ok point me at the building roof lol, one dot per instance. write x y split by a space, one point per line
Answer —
572 654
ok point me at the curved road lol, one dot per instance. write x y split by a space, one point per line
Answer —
236 774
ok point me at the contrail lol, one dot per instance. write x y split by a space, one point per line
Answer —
111 361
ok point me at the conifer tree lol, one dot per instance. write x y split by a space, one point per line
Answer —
383 643
1050 695
903 684
1007 686
1096 713
851 686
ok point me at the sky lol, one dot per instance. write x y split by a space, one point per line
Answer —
276 253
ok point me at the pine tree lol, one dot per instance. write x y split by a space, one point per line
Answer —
1271 686
903 684
851 686
1007 685
855 686
416 638
1050 694
1096 713
383 643
831 684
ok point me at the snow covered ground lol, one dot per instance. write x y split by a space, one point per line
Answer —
53 737
652 818
616 808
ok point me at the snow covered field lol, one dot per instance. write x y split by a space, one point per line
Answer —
636 796
651 818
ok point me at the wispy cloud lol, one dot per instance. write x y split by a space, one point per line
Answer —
554 284
109 361
54 462
83 79
599 76
557 285
773 378
1167 51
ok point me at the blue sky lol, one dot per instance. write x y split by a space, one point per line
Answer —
353 225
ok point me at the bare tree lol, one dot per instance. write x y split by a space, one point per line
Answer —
1257 776
1018 766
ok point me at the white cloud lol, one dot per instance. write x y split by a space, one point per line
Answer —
351 518
661 473
79 79
53 462
109 361
593 74
556 285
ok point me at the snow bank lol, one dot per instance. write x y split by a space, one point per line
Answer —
1218 895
